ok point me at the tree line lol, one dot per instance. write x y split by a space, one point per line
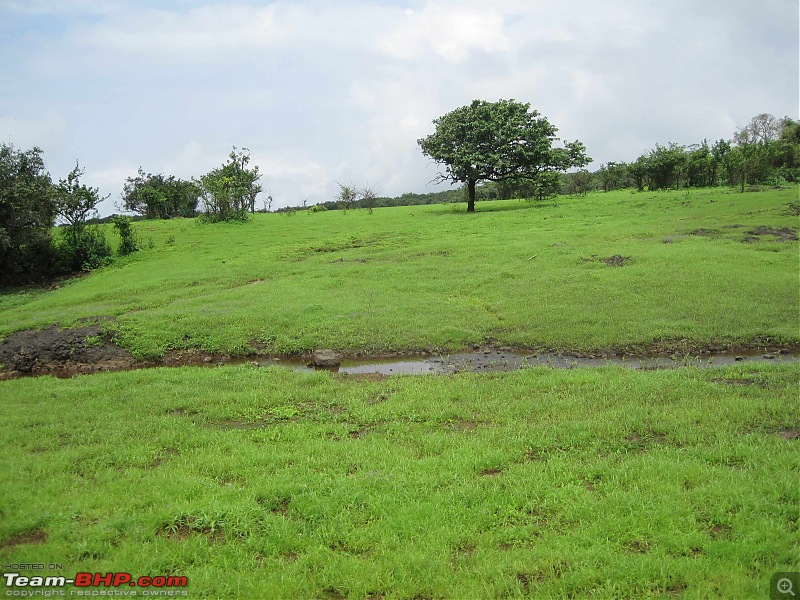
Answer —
766 151
495 149
33 249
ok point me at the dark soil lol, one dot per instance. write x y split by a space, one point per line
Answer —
616 260
36 536
91 348
80 350
784 234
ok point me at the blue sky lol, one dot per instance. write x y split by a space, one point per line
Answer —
340 91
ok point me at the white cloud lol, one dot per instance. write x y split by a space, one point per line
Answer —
196 35
451 33
48 131
323 91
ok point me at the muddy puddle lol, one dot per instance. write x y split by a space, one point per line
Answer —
90 348
489 361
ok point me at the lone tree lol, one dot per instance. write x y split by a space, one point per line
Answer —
230 191
498 141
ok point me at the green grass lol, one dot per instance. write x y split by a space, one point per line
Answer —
412 278
268 483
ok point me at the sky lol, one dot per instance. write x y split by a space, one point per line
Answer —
340 91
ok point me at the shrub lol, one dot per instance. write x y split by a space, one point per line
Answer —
128 243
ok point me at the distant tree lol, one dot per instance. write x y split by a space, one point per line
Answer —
763 128
230 191
666 166
498 141
612 176
347 196
786 156
84 245
369 197
27 215
159 197
580 183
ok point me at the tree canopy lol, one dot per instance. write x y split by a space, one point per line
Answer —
159 197
230 191
27 214
498 141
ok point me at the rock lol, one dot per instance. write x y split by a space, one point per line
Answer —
326 358
208 359
738 358
769 356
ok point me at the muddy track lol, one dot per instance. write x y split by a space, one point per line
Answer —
92 348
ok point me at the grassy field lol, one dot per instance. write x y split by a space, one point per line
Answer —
271 483
267 483
710 266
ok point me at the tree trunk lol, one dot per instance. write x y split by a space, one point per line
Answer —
471 200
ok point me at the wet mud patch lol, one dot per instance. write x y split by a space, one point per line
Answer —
63 351
617 260
34 536
783 234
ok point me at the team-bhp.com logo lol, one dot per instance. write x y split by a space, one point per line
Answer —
30 586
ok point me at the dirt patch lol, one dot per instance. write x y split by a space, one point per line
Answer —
783 234
233 424
704 232
637 547
460 553
162 456
720 531
616 260
35 536
789 434
55 350
462 426
493 472
735 381
359 433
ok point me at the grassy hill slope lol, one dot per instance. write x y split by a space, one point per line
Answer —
607 270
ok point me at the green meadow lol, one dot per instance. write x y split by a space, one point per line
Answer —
542 483
269 483
690 272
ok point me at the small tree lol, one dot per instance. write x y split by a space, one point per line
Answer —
84 247
27 214
499 141
128 243
230 191
347 196
369 197
159 197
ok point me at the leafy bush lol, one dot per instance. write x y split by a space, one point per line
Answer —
85 252
128 243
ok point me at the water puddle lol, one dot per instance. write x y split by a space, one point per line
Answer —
498 361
